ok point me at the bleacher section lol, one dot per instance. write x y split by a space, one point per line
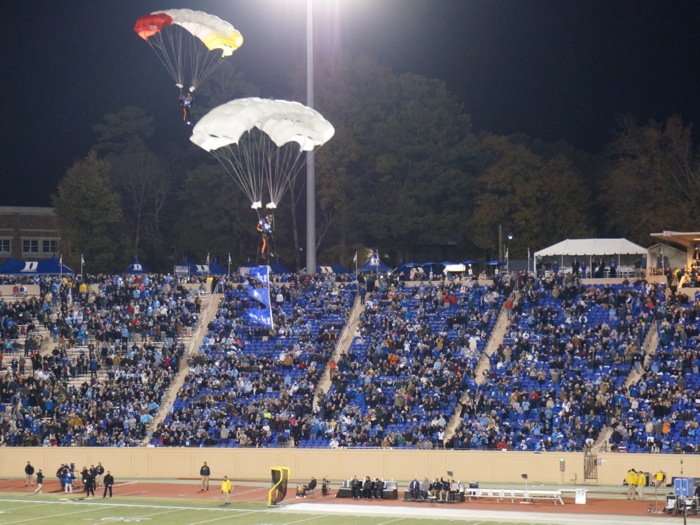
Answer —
574 359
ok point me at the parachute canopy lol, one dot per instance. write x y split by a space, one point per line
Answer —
260 142
186 41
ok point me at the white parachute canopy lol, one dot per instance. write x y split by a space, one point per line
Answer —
260 142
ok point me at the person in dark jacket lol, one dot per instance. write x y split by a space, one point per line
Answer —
109 483
414 489
377 489
29 471
310 487
205 472
90 483
356 487
39 482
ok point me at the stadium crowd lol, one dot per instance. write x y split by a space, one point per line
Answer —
572 361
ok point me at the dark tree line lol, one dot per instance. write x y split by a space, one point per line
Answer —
405 173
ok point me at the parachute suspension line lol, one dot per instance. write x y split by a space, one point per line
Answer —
203 62
235 168
168 46
285 167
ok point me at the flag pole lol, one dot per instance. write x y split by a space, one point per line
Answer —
82 263
229 264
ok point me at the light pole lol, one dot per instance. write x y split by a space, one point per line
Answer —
310 165
510 238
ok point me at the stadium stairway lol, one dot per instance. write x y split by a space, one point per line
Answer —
651 342
483 364
341 348
192 343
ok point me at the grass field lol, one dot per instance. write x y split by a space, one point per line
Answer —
57 509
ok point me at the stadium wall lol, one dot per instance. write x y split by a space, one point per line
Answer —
401 465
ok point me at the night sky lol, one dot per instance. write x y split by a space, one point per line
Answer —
549 68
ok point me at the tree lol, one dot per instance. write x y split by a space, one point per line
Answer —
654 179
540 200
214 217
90 217
121 128
137 174
394 176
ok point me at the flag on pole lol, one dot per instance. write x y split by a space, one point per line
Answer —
354 259
207 259
82 259
229 258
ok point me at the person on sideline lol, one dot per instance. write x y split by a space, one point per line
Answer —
109 483
29 471
631 480
205 472
99 473
309 488
68 481
641 483
39 481
226 488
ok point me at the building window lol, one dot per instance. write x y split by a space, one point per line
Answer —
30 246
5 246
49 246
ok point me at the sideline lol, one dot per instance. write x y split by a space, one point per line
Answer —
488 516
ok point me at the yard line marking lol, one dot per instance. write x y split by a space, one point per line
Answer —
229 517
392 521
53 517
132 505
33 505
312 518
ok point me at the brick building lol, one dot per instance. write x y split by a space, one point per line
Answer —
28 232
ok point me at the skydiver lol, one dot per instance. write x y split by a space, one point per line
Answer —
186 104
266 228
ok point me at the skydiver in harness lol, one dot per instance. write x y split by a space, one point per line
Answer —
266 226
186 100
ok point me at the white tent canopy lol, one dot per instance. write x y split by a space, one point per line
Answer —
590 248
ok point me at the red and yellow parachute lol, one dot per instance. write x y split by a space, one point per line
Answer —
187 42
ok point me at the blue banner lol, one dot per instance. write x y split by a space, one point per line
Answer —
261 274
261 295
261 316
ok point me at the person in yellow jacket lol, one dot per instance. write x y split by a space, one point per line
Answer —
641 483
226 488
631 480
659 478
